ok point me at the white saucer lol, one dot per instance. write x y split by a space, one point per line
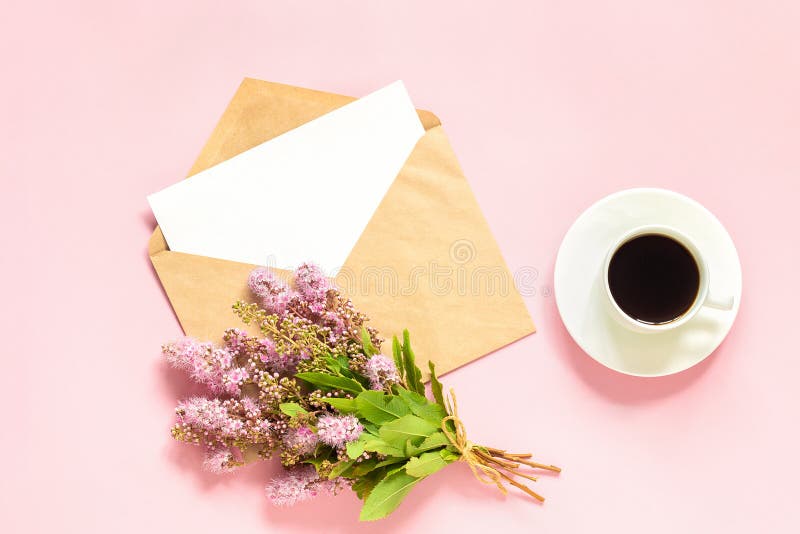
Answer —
580 294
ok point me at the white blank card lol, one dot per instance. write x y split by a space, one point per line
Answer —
306 195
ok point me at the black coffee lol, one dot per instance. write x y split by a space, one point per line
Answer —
653 278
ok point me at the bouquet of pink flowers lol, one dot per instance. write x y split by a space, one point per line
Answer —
314 389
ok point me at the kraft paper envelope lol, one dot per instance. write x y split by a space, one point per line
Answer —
426 261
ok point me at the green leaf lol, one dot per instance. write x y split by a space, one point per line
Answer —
364 485
340 468
379 408
366 342
372 428
430 412
355 448
342 405
449 456
292 409
336 362
395 469
336 369
387 495
422 407
327 381
333 364
436 387
413 374
412 397
425 464
364 468
374 444
434 441
408 427
398 357
391 460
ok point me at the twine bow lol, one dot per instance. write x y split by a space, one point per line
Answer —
486 463
483 472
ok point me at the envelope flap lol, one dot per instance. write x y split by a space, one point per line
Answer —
428 262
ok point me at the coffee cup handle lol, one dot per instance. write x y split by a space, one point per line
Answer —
717 303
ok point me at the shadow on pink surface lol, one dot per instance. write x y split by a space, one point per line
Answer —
177 384
618 387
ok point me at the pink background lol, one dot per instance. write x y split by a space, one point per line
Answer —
550 106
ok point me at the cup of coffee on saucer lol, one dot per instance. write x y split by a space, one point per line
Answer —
656 279
647 282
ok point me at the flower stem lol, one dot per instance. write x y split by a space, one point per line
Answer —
523 487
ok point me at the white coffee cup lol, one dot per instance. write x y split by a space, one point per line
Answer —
702 299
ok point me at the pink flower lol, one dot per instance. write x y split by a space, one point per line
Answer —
201 360
284 364
268 351
184 352
380 370
277 303
219 461
262 282
274 294
295 485
231 428
221 358
313 286
202 412
235 339
234 379
336 323
303 439
337 430
209 415
251 407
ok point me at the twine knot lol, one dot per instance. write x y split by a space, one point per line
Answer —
470 452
